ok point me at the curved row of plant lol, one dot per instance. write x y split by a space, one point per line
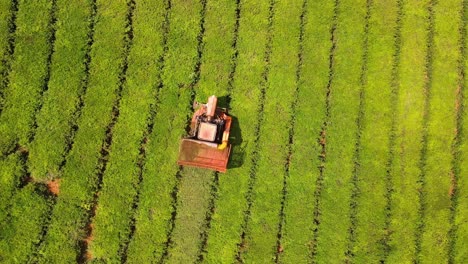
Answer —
23 210
60 104
262 226
158 197
121 177
197 193
218 68
345 84
78 181
461 202
411 100
313 77
441 126
29 74
228 218
11 173
21 233
67 86
26 80
367 233
8 15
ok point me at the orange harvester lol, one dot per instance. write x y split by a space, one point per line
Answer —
207 145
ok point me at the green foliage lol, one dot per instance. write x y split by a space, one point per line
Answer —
226 225
26 81
153 218
379 90
441 127
112 220
146 208
461 217
5 15
53 134
27 73
22 211
192 197
79 174
217 59
409 131
310 114
262 226
195 185
341 132
19 235
10 172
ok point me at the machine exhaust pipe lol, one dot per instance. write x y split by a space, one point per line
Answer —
211 107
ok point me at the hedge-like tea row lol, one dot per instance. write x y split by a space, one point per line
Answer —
23 211
219 63
406 169
441 126
154 220
79 180
26 81
66 75
197 191
218 51
114 209
48 149
10 173
192 206
20 234
310 114
461 210
341 133
27 75
227 220
5 16
372 174
8 11
280 87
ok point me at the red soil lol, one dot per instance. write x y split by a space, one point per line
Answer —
88 256
88 240
452 185
280 248
54 186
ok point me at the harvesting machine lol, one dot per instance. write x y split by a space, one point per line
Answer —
207 144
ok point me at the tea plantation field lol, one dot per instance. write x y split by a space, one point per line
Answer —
349 135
